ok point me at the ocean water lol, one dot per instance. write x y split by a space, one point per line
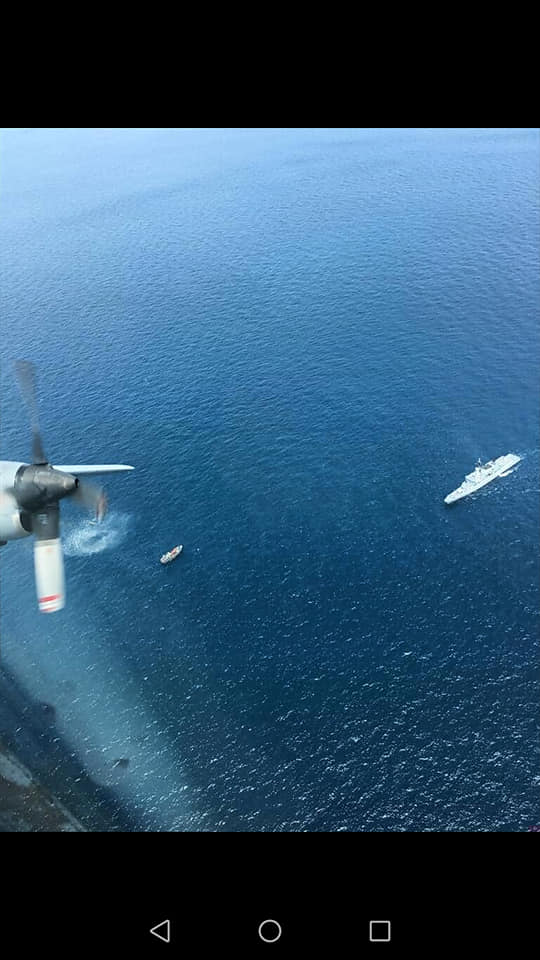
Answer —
302 340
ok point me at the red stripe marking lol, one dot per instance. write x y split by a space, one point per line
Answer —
49 599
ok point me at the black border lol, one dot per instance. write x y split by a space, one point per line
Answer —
453 892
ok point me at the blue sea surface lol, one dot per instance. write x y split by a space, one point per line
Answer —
302 340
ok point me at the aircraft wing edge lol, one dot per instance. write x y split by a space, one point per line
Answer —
93 468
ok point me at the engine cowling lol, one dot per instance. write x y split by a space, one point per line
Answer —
14 523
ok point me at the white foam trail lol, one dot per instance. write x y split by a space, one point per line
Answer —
83 538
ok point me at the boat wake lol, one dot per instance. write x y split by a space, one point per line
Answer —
86 537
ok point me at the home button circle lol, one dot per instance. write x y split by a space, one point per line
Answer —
269 931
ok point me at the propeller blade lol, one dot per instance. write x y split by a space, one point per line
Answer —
26 378
91 497
50 579
48 559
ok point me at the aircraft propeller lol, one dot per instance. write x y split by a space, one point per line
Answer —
38 488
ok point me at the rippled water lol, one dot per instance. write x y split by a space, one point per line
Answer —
302 340
82 538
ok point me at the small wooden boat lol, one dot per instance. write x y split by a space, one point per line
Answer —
171 554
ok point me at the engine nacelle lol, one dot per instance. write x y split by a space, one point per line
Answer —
8 471
14 522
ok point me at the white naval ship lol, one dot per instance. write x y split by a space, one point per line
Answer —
483 473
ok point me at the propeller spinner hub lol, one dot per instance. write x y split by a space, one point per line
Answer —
37 485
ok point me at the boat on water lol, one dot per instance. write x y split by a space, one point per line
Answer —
171 554
483 473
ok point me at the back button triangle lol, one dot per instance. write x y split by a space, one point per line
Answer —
162 931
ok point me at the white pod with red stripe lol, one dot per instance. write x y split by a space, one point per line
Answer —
50 581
